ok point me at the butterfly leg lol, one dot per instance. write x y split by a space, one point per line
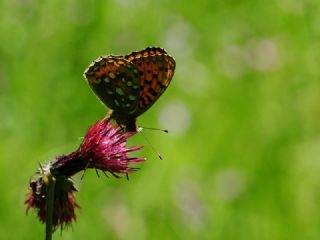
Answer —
108 116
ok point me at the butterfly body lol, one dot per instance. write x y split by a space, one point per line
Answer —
129 85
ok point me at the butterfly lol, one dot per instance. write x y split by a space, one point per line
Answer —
129 85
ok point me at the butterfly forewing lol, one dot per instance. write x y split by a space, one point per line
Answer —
116 82
145 52
156 72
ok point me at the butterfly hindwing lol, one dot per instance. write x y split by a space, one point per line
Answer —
116 82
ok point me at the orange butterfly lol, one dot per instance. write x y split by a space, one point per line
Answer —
129 85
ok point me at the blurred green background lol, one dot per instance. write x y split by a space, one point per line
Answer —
242 156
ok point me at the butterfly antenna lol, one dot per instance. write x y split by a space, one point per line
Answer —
158 129
147 140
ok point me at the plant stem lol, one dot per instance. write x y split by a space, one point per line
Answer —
50 201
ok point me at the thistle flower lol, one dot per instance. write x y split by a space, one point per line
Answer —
64 202
103 148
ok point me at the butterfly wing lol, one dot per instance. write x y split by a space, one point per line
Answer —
145 52
116 81
156 69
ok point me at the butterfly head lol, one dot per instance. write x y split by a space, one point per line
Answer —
123 120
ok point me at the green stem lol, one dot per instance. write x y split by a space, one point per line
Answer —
50 201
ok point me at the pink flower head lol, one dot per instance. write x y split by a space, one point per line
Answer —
103 148
64 201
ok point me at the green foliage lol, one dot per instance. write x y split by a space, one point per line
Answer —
242 155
